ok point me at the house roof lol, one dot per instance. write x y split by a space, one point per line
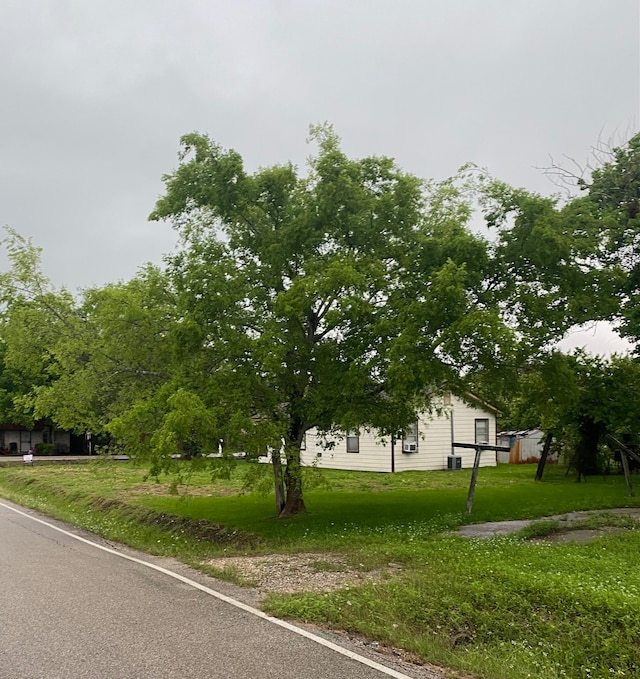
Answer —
480 401
521 434
468 396
10 426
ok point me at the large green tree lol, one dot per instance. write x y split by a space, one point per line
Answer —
580 398
116 352
548 273
574 261
612 198
336 299
33 315
79 361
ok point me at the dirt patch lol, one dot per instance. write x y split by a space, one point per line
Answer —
580 535
292 573
164 489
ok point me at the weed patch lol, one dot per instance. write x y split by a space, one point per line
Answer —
200 529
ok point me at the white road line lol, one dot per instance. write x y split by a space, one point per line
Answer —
227 599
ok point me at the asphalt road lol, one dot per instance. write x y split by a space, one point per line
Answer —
71 610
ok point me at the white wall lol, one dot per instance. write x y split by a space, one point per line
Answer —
434 443
24 440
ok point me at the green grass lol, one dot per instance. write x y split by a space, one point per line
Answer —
504 608
410 506
500 608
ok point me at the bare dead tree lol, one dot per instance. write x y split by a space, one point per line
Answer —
571 176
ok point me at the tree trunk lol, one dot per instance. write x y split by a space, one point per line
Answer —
587 448
543 457
278 481
293 480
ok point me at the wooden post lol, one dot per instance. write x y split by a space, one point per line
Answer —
474 479
478 447
543 457
621 445
627 473
625 454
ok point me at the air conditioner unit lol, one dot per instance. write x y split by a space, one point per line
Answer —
454 462
409 447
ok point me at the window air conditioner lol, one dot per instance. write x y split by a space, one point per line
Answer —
454 462
410 448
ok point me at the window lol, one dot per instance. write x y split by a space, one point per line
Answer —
303 443
353 442
482 430
410 441
25 441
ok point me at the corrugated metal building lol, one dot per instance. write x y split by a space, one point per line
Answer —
525 446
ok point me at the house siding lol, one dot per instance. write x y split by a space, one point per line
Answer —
434 443
374 455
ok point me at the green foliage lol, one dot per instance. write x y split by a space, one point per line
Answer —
24 279
613 196
82 363
45 448
546 273
580 398
33 315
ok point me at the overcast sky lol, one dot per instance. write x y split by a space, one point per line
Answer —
95 94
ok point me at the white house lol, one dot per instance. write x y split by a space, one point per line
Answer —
427 446
16 439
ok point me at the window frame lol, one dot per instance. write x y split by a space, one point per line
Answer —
476 422
352 435
411 436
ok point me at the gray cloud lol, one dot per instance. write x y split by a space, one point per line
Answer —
95 96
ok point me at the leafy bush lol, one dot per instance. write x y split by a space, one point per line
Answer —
44 448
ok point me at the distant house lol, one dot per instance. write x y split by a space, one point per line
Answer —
17 439
427 445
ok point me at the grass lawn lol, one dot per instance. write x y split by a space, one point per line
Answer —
502 608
